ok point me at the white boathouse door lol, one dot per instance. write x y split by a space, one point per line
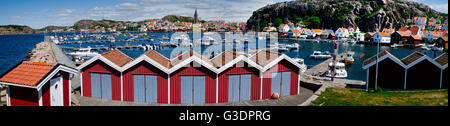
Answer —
56 92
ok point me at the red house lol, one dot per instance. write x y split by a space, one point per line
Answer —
145 79
192 79
101 75
238 78
38 84
280 73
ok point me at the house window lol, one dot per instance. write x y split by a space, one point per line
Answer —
281 82
101 85
145 88
239 87
193 89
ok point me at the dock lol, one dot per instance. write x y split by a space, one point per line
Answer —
315 77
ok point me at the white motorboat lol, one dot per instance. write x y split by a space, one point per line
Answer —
340 71
302 64
320 55
395 45
82 52
293 46
349 59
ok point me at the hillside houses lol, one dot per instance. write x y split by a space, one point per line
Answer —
382 38
341 33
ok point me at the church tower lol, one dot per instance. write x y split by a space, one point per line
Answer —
195 17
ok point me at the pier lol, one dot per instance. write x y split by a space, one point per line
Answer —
314 75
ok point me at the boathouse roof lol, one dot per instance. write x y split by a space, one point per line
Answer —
442 60
382 55
117 57
32 74
413 57
186 55
152 54
27 73
264 57
223 58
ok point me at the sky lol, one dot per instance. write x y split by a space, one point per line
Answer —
41 13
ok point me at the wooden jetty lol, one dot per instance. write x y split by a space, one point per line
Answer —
314 75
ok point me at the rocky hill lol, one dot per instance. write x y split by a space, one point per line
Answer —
15 29
82 24
174 18
341 13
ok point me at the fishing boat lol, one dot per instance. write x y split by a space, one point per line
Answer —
302 64
349 59
340 71
320 55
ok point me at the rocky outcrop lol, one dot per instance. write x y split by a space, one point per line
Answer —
84 24
15 29
174 18
42 53
343 13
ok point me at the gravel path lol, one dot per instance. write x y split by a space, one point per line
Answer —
62 58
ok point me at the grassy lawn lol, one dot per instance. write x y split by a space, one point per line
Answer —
361 97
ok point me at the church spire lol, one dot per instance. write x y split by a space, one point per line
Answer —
195 17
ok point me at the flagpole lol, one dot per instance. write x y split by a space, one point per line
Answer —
378 50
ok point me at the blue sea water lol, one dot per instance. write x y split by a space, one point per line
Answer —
13 49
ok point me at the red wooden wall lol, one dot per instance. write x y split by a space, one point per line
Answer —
144 68
46 94
100 67
21 96
210 87
255 86
282 66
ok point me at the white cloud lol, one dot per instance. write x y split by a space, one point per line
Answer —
19 17
230 10
441 7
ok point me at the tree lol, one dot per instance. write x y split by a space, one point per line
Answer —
405 15
278 22
264 24
313 21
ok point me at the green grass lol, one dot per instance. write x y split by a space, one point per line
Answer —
361 97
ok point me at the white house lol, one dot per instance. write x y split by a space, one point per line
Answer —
353 30
294 33
311 34
341 33
283 28
382 37
360 37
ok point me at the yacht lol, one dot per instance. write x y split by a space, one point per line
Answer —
320 55
340 70
302 64
82 52
349 59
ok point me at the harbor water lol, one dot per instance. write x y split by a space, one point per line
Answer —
13 49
